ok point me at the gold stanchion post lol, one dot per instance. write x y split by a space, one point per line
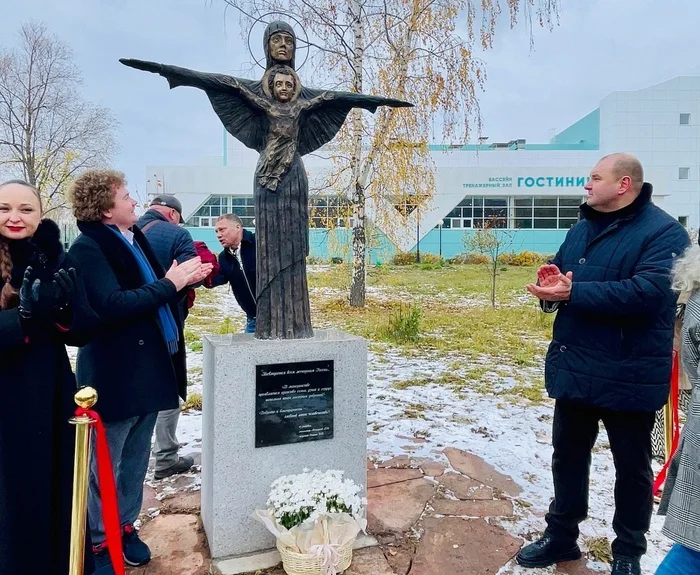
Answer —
668 428
86 397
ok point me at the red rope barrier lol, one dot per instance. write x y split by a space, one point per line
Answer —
108 492
675 423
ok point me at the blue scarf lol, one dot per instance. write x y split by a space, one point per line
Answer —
166 321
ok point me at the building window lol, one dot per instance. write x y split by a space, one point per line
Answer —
515 212
685 119
330 212
479 211
683 220
683 173
545 212
324 212
215 206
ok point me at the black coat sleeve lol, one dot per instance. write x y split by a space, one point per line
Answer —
10 329
106 297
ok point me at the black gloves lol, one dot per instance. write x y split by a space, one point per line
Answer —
46 299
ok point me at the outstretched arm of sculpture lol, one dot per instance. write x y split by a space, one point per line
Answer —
178 76
317 101
353 100
326 112
248 95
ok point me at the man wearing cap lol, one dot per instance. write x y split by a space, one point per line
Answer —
169 242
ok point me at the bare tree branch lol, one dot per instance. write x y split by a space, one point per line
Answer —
48 133
416 50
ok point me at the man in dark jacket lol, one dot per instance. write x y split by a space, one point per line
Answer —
610 356
170 243
136 358
237 263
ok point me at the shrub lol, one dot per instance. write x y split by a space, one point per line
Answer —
336 260
523 258
431 259
409 258
194 401
469 258
225 327
404 324
404 259
314 260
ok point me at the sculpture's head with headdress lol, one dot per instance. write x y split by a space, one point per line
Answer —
280 44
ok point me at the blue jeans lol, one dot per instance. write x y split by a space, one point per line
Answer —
680 561
129 448
249 325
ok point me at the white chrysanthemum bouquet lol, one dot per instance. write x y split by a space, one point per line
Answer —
315 513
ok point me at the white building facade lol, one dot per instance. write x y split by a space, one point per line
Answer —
532 189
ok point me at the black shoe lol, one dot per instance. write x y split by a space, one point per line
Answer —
183 464
626 566
547 551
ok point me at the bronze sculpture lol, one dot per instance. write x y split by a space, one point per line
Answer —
282 120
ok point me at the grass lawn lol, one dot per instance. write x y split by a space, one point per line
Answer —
441 313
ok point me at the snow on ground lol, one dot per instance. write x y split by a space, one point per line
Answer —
511 433
515 437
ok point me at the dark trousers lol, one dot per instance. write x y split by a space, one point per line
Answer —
574 434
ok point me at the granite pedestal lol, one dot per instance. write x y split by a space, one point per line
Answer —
236 475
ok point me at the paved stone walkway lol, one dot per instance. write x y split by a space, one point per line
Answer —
430 519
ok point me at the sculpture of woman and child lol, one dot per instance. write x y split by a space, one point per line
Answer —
282 120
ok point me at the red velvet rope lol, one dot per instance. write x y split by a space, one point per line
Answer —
675 423
108 492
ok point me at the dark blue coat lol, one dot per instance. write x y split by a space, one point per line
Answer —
613 340
242 280
169 242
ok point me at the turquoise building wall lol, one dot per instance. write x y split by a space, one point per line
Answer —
453 241
584 132
327 244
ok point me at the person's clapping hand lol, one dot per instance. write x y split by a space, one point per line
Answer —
46 299
553 285
548 275
202 273
188 273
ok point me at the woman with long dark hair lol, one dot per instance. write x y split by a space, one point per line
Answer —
37 305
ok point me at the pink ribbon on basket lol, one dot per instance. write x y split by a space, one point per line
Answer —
330 557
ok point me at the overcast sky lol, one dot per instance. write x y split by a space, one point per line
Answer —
600 46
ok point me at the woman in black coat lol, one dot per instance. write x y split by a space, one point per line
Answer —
36 440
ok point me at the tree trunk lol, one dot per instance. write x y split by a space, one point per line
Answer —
359 247
493 282
359 236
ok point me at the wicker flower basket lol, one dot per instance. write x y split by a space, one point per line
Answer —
306 564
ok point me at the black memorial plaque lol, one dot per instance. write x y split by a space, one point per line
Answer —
293 402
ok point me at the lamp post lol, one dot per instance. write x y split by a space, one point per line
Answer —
442 223
417 235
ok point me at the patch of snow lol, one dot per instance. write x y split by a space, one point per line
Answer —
507 431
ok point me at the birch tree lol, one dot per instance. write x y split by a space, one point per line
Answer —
48 132
417 50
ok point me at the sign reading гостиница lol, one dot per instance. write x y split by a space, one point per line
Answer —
531 182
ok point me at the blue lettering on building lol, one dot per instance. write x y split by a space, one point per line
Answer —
532 182
553 182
